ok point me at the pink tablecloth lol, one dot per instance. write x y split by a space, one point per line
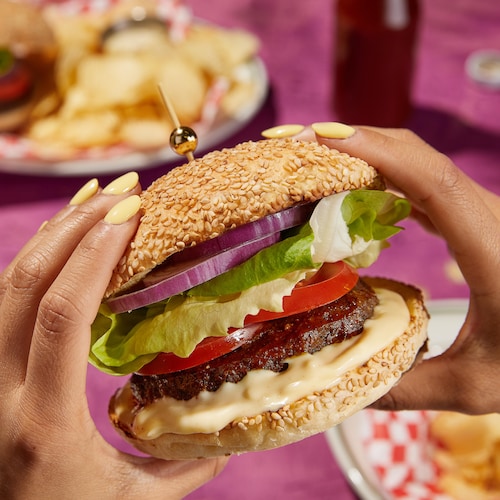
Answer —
452 113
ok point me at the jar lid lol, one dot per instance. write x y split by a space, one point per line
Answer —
483 66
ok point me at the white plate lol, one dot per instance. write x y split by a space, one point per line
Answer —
254 72
346 440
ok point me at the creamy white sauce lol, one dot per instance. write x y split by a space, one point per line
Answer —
264 390
332 241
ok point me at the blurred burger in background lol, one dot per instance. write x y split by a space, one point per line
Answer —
27 56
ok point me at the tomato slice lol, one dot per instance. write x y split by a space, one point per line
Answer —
14 84
208 349
329 283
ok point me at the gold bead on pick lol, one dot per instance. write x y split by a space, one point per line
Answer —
184 141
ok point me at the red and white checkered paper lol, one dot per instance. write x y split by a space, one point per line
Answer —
400 449
178 17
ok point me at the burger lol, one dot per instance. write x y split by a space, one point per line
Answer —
28 52
238 308
16 91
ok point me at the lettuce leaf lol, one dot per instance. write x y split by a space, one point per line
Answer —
354 225
288 255
372 215
123 343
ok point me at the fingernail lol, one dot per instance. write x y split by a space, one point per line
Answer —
122 184
85 192
123 210
333 130
42 225
282 131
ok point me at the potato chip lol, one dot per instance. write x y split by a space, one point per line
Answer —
88 130
145 133
104 81
96 129
144 111
218 51
185 86
76 31
45 105
66 67
237 98
235 46
45 129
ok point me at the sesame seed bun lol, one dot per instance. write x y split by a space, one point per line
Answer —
26 34
24 30
310 415
224 189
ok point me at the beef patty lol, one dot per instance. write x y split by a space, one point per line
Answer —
276 341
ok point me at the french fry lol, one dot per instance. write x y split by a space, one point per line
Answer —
468 455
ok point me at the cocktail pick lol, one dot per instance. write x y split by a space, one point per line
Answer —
183 140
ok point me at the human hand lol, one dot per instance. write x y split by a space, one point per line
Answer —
49 296
465 377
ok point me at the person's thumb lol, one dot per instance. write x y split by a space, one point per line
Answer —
432 384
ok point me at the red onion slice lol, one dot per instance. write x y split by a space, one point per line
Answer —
199 263
270 224
185 275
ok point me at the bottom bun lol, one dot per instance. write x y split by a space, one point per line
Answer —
307 416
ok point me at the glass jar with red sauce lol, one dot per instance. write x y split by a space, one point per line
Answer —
374 60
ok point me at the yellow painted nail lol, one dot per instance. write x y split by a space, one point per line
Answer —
124 210
282 131
333 130
122 184
85 192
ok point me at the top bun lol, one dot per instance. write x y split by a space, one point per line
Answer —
224 189
24 31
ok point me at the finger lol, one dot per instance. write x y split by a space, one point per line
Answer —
454 381
125 184
308 134
59 349
410 138
440 190
25 281
401 157
490 199
423 220
6 274
402 135
418 389
87 191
